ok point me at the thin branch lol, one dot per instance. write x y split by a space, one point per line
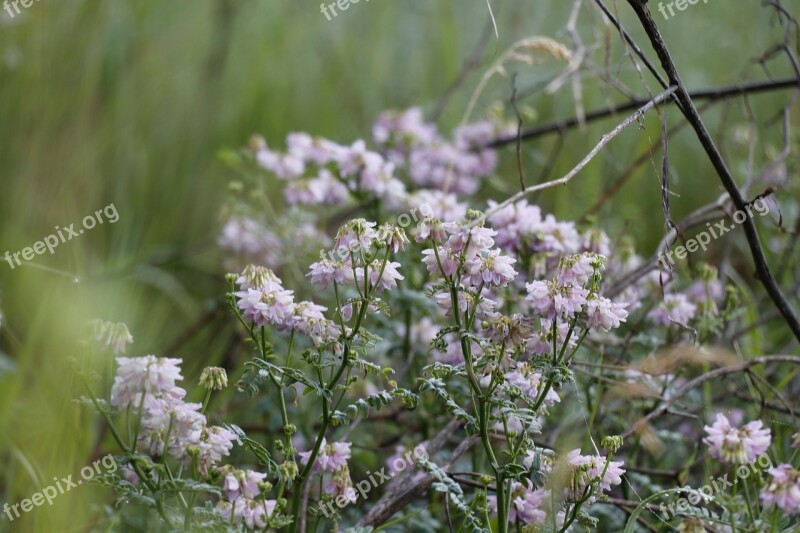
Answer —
719 93
708 376
763 272
604 140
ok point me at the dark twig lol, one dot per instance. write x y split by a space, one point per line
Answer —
731 91
763 272
629 40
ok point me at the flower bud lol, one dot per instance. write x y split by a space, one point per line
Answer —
289 469
214 378
612 443
111 336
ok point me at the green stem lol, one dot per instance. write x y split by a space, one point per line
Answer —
302 478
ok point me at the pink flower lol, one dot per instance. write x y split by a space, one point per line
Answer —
309 320
170 425
324 272
782 489
431 228
530 383
513 330
551 300
739 446
249 238
252 513
256 277
285 166
478 240
516 225
490 269
356 235
403 128
340 484
270 305
114 336
556 237
215 443
603 314
436 205
241 483
392 236
527 504
324 189
675 308
150 375
576 269
331 457
380 280
590 469
448 259
357 158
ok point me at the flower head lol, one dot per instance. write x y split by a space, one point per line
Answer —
675 308
603 314
272 304
149 375
392 236
256 277
490 269
215 443
591 469
782 489
528 504
331 457
112 336
736 445
214 378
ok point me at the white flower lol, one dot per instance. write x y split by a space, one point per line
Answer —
150 375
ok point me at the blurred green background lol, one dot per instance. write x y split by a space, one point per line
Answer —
131 102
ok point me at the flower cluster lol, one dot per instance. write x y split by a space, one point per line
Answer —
782 489
523 230
169 425
432 161
263 301
529 504
593 471
459 249
358 263
244 502
736 445
591 475
333 459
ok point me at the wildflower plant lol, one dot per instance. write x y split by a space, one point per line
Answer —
483 330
